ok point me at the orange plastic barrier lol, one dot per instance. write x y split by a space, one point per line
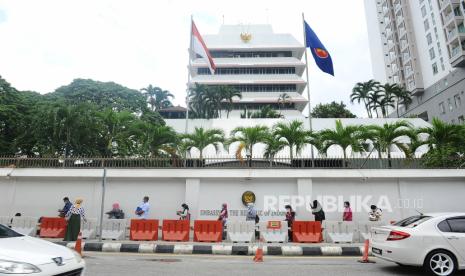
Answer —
208 231
52 227
175 230
144 230
307 232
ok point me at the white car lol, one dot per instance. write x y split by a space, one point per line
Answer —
434 241
24 255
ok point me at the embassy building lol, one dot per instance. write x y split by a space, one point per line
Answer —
266 67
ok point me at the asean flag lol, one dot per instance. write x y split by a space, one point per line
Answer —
319 52
200 48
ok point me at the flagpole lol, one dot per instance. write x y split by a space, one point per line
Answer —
308 86
186 130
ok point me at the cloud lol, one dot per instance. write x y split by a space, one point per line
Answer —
143 42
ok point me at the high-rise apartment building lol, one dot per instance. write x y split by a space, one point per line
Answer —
420 44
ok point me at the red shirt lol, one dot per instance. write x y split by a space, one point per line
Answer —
347 216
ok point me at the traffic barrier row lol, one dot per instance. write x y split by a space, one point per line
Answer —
204 230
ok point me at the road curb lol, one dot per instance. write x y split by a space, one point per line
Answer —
237 250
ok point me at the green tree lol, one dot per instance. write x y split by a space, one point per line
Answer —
353 137
103 94
201 138
155 140
273 147
388 97
390 135
247 137
293 134
228 94
444 141
361 93
332 110
157 98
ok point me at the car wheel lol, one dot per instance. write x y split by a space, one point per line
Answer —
440 263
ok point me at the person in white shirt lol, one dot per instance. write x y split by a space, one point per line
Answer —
375 214
142 210
184 214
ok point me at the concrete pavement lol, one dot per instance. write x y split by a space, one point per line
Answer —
106 264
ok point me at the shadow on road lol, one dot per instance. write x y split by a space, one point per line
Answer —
408 270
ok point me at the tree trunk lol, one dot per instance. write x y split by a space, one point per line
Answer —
345 158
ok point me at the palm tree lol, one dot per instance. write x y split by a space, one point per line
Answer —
389 94
314 139
345 137
385 137
155 140
115 132
227 94
362 91
283 99
202 138
293 134
273 146
157 97
403 97
374 100
444 140
247 138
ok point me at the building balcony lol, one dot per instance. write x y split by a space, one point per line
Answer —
247 79
458 56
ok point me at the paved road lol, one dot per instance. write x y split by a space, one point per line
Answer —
103 264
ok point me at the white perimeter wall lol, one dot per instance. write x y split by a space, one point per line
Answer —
39 192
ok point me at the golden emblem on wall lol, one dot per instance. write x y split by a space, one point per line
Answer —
246 37
248 197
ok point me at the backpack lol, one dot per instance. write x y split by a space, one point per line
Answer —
257 219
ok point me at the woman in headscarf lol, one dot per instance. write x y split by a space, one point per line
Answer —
224 214
116 212
290 217
184 214
317 211
74 215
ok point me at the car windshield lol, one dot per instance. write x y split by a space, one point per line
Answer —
412 221
6 232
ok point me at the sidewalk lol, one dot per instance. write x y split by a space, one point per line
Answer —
225 248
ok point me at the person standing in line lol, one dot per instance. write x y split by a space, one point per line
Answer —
290 218
223 214
252 216
375 213
116 212
74 215
64 211
317 211
223 217
143 209
184 214
347 215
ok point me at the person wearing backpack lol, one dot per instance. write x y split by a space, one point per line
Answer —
253 216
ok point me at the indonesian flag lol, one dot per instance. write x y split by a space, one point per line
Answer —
199 47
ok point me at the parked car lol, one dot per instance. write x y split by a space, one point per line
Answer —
24 255
434 241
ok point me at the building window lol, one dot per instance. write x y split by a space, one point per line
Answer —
429 39
442 64
442 108
449 103
432 55
435 68
249 71
426 23
423 11
439 49
432 19
457 101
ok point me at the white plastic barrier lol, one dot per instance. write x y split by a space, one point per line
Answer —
25 225
89 228
241 231
274 235
339 231
364 229
114 229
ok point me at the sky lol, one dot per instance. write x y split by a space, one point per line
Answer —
46 44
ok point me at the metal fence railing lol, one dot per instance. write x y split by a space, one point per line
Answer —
220 162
